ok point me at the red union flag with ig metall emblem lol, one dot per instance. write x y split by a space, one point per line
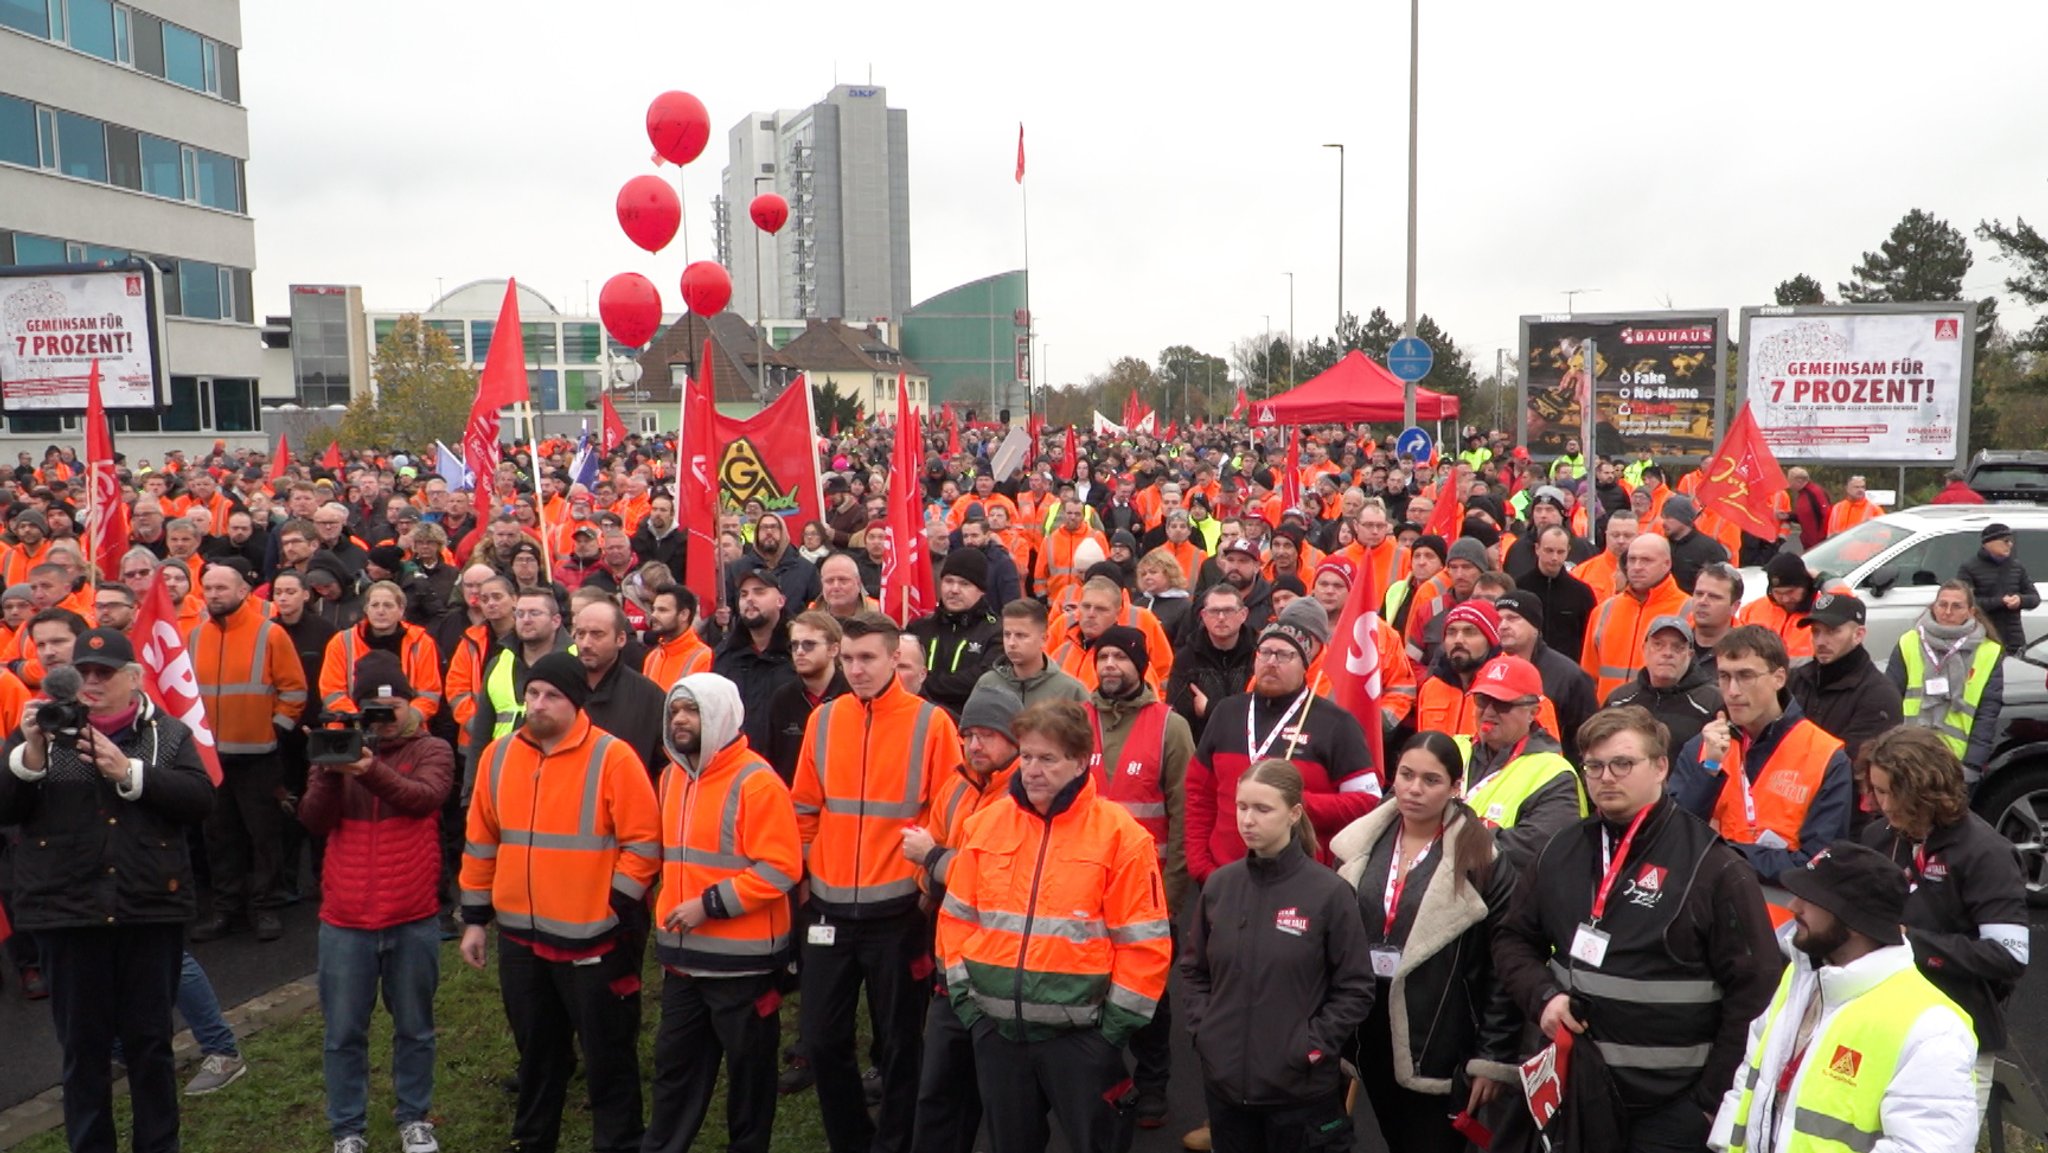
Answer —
1743 479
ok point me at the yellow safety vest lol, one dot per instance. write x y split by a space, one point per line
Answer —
1956 724
1499 798
1838 1095
508 700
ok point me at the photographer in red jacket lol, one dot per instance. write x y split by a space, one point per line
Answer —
380 891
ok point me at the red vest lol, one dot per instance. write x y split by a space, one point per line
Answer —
1135 783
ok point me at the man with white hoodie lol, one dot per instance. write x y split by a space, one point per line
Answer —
1857 1049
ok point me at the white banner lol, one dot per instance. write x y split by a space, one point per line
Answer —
53 327
1859 386
1105 425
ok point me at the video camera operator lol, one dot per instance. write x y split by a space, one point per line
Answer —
105 881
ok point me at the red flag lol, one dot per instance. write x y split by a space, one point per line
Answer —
1742 479
1172 429
168 676
1353 664
1290 479
331 459
1020 153
907 591
1243 406
698 510
780 454
614 428
834 431
1447 519
952 429
1067 455
503 381
107 534
283 460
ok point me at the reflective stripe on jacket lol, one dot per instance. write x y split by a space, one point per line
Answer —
416 655
728 835
1613 650
249 678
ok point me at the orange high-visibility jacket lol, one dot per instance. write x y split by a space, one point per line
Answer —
1158 649
1782 790
20 558
1381 566
250 679
728 835
466 678
1055 569
416 655
866 770
553 834
1847 514
1055 923
957 515
1615 633
1603 574
959 798
1188 555
671 660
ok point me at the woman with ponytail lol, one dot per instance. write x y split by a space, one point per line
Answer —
1440 1041
1275 979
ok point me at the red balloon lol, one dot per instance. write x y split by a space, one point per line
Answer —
770 212
630 307
707 288
678 126
650 212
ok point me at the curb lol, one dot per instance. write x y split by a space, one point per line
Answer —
287 1002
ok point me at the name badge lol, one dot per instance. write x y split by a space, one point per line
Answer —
1590 945
1937 686
822 934
1385 959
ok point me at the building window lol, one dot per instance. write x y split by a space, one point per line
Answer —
218 181
580 389
35 422
543 385
173 287
537 342
18 142
124 157
234 406
81 147
382 330
132 420
147 37
30 16
480 340
184 58
185 413
452 329
581 343
92 28
124 52
230 73
199 288
162 167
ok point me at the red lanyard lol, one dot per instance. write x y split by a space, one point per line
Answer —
1919 861
1504 763
1397 878
1614 861
1740 749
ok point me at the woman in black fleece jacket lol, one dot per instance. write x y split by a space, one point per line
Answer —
1275 979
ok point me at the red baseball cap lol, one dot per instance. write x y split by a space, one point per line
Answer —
1508 678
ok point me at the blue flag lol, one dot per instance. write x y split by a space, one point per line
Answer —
583 466
452 469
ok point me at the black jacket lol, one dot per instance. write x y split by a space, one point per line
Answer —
788 712
1173 610
758 674
91 858
958 648
1567 605
668 549
1685 708
1570 691
1995 579
431 595
1966 917
1219 673
1275 979
1457 1020
633 709
1699 922
1850 698
1695 552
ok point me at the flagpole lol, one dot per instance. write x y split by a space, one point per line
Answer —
540 512
92 470
1031 381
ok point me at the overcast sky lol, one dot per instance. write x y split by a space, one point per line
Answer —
1694 154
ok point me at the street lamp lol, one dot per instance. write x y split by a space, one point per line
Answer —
760 321
1569 293
1290 329
1414 90
1340 233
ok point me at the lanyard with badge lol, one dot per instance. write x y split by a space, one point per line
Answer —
1257 748
1386 957
1495 810
1589 944
1936 684
1766 838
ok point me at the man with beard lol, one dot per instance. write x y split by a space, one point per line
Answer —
814 654
1443 700
658 539
615 562
1241 567
1464 562
1516 776
1565 685
1639 931
755 654
1691 549
1842 690
1058 567
674 650
962 637
1332 591
795 576
1858 1048
241 539
1142 749
622 702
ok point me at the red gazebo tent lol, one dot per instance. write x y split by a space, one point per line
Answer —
1354 389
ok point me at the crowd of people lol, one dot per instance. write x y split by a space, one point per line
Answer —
1698 843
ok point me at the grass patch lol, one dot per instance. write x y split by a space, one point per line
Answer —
281 1103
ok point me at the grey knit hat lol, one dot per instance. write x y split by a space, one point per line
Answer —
991 707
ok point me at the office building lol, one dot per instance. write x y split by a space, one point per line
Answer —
122 133
971 339
844 166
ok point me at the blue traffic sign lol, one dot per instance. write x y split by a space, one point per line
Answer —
1414 444
1409 359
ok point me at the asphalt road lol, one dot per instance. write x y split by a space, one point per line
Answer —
241 968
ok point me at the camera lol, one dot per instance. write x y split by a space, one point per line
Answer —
62 717
343 745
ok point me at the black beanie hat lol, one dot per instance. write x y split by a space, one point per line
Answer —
566 674
969 564
1130 641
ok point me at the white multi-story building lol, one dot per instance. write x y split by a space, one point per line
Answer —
122 133
844 166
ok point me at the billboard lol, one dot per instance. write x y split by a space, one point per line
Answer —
56 320
1868 383
1659 378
